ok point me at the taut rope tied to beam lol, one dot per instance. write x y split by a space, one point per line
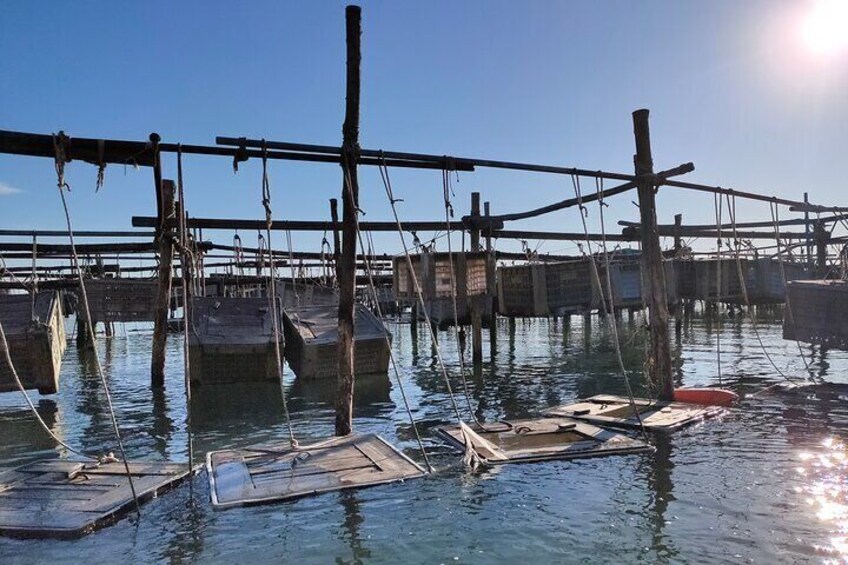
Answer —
599 189
718 203
60 158
185 262
775 215
471 459
272 288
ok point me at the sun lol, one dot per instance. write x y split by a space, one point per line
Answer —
825 28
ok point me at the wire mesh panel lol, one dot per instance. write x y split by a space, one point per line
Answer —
121 300
817 312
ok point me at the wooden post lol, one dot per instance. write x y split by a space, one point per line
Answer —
822 237
659 363
678 244
346 269
163 296
475 302
808 247
491 271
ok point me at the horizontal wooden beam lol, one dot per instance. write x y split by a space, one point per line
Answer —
64 233
297 225
725 234
442 161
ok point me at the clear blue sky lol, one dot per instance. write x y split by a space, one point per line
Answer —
732 86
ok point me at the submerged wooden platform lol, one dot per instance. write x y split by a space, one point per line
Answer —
616 411
544 439
68 499
266 474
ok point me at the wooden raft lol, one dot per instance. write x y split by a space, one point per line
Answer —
545 439
616 411
65 499
266 474
232 340
312 342
36 340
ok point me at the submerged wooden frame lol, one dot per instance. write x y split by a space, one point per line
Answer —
657 415
265 474
65 499
500 443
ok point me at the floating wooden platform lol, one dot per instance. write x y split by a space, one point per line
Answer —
36 340
312 342
266 474
545 439
67 499
616 411
232 340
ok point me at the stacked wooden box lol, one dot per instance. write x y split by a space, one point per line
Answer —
232 340
36 338
312 342
473 282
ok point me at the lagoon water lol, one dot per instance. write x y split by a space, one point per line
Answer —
764 484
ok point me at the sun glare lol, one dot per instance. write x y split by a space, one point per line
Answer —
826 27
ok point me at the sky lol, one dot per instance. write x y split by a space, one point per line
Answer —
751 92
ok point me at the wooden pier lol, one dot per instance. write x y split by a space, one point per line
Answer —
67 499
35 332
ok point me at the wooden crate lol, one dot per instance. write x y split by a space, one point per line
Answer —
626 280
36 341
765 279
472 272
542 289
684 277
819 313
232 340
312 342
728 289
121 300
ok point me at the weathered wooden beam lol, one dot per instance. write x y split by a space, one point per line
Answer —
350 209
653 269
476 314
97 151
571 202
634 231
301 225
163 296
82 233
746 225
556 236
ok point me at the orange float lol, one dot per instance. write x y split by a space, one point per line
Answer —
706 396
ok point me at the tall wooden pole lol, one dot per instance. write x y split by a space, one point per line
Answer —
491 287
346 270
163 296
659 363
475 301
678 243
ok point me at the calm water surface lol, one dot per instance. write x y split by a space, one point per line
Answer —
764 484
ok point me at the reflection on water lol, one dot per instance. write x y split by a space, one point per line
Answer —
755 486
822 478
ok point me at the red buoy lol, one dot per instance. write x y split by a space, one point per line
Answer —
706 396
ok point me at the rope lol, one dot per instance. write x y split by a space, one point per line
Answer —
575 181
272 285
775 215
447 189
731 211
717 201
59 161
471 459
187 315
378 308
